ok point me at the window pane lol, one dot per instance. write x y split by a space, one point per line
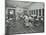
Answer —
30 12
43 11
37 12
11 13
34 12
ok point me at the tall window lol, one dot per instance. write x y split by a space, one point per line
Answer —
11 13
37 12
30 12
34 12
43 11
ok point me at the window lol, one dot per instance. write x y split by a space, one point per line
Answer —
34 12
11 13
43 12
30 12
39 12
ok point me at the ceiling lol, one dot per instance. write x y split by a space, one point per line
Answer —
22 4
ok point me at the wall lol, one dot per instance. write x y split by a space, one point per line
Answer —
37 5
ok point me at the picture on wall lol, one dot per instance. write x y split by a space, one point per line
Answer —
24 17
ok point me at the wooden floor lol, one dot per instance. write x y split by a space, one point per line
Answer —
18 27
